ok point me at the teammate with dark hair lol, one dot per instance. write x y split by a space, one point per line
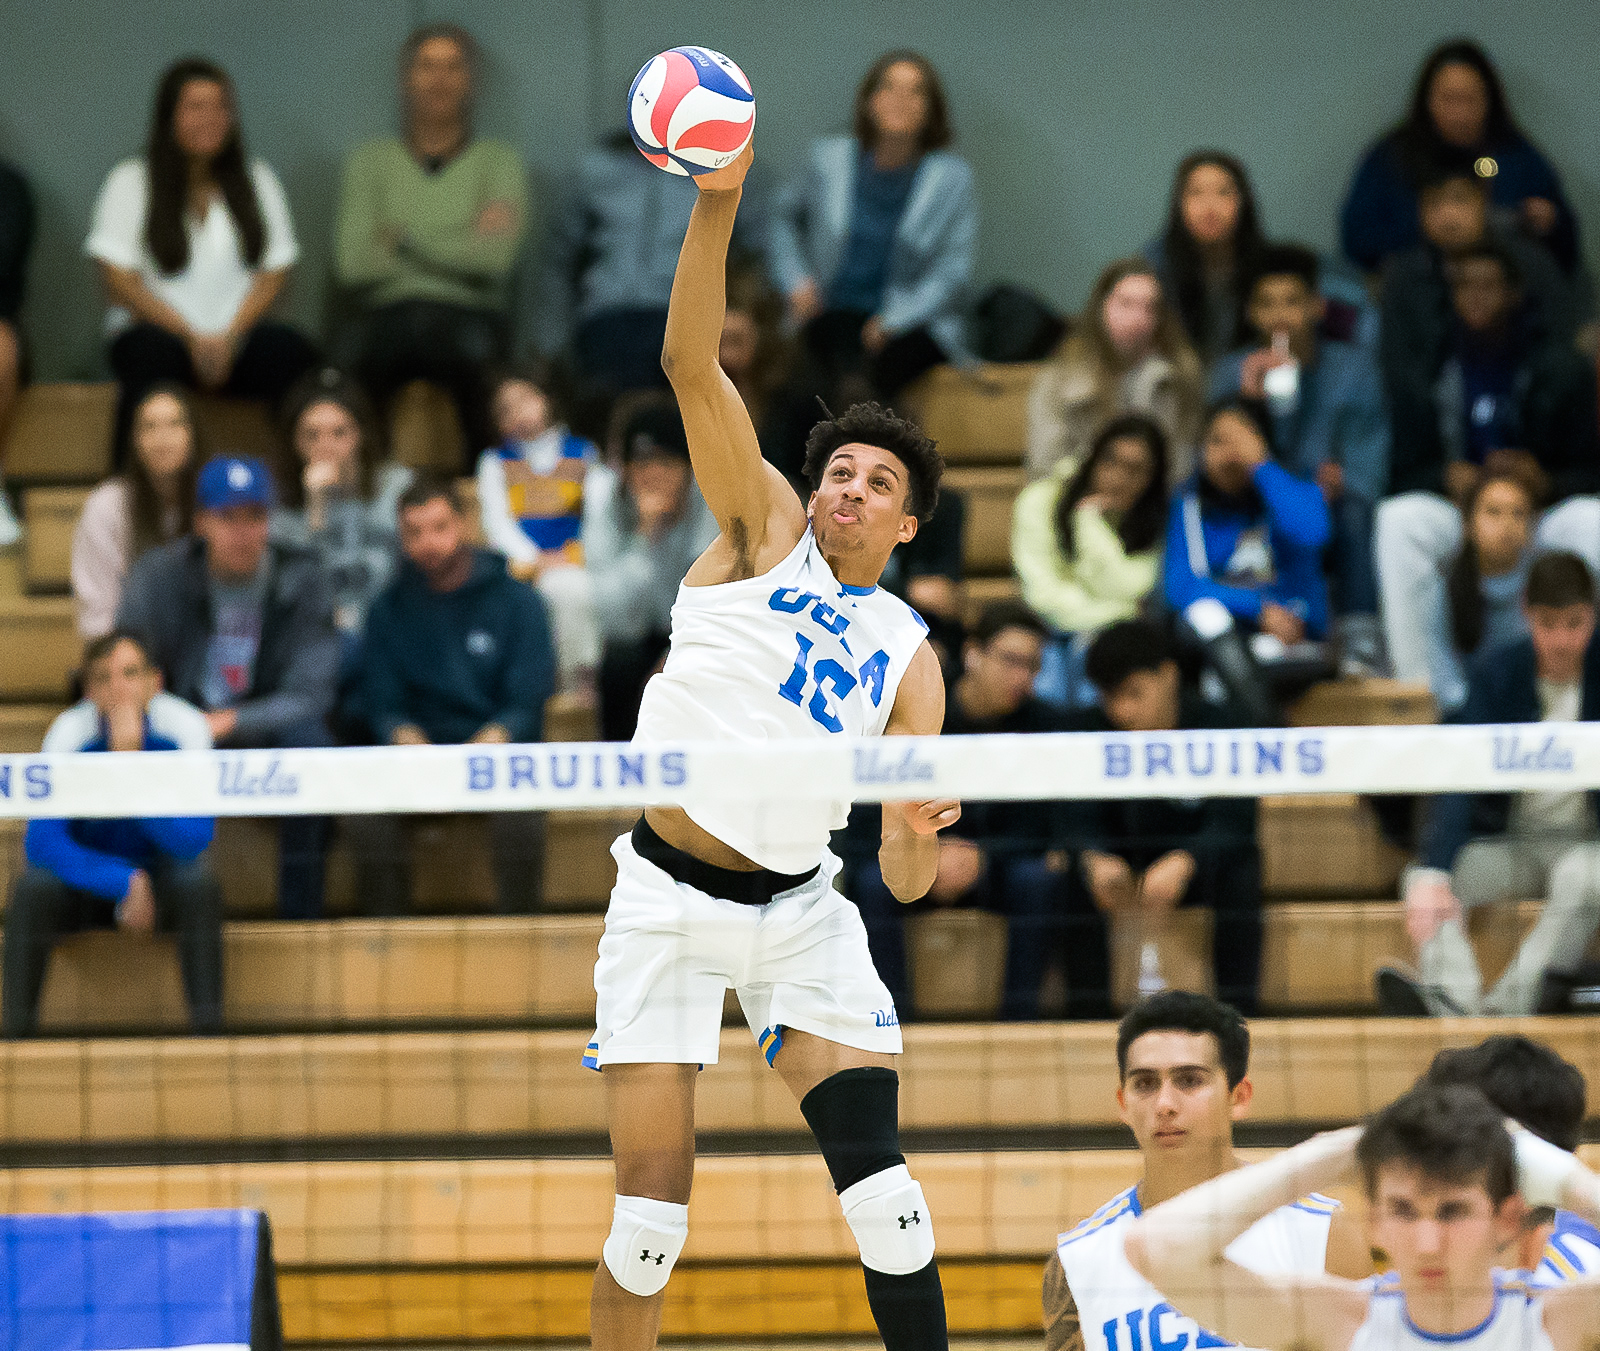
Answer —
1447 1187
1183 1061
1535 1087
780 630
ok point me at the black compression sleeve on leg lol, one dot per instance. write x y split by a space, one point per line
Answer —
909 1310
855 1116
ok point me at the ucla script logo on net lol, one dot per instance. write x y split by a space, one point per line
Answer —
1535 755
873 765
235 778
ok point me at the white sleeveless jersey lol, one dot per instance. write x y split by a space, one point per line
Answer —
789 654
1516 1323
1119 1310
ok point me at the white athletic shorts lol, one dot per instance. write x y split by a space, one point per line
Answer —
670 952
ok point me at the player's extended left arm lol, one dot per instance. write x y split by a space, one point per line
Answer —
909 854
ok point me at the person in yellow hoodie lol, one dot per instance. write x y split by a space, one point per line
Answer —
1086 544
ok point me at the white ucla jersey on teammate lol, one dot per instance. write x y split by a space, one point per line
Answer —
1572 1253
789 654
1516 1322
1119 1310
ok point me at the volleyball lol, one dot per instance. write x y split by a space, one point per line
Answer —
691 111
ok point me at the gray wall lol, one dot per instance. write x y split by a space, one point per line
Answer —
1071 115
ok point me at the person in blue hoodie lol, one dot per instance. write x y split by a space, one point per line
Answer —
1329 422
133 873
457 652
1247 535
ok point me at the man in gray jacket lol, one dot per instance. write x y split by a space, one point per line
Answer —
243 629
608 265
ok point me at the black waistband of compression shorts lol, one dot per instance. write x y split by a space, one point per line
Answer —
728 884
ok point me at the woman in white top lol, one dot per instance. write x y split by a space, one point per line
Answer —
149 503
194 244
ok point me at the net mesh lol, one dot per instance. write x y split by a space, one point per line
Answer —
397 1086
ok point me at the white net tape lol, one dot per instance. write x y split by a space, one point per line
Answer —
577 775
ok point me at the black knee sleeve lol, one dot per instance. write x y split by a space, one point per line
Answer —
855 1116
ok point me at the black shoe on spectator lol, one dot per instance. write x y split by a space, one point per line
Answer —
1399 995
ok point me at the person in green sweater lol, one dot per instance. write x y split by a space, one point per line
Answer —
430 224
1086 544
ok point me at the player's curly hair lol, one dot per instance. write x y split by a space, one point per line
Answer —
871 424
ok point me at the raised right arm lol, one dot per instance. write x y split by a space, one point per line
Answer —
757 511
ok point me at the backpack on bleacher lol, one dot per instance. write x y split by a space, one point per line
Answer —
1012 324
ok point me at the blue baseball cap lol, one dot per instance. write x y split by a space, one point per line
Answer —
234 481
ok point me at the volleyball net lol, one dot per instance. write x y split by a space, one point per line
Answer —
398 1088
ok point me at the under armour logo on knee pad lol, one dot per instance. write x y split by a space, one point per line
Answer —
905 1223
648 1256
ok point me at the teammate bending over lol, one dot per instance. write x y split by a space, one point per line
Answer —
1184 1062
1538 1089
1443 1175
779 631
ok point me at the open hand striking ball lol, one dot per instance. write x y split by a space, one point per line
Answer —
691 111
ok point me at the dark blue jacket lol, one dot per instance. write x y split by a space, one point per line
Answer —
1204 530
453 661
1380 214
1502 687
101 856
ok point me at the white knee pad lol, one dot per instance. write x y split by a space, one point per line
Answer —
889 1217
645 1240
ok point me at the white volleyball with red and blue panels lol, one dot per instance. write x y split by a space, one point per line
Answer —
691 111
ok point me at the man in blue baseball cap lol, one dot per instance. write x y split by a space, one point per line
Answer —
242 627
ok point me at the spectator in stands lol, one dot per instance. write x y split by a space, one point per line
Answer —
16 242
1455 215
1499 382
430 225
1207 251
1458 119
754 353
341 506
1246 533
1128 354
457 653
242 627
1146 857
1481 848
1329 422
872 244
1503 397
607 270
644 524
531 486
1482 586
194 245
139 873
151 502
1086 544
998 855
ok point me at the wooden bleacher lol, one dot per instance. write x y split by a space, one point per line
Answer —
396 1087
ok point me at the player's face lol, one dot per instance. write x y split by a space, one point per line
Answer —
1440 1237
1175 1096
860 506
